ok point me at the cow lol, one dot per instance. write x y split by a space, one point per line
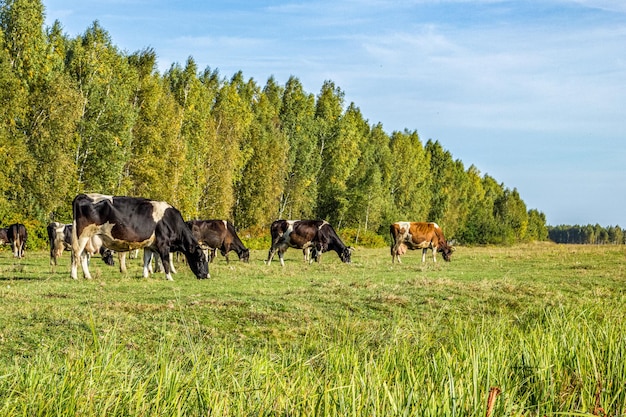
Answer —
128 223
219 234
316 235
17 235
418 235
60 239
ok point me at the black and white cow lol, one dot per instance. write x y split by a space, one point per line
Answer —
60 239
17 235
316 235
219 234
128 223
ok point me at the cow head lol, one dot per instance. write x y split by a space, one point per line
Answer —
245 255
446 251
197 262
107 256
346 254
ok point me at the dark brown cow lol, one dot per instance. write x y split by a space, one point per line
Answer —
128 223
17 236
60 239
418 235
219 234
316 235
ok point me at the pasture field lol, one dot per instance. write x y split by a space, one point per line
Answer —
543 323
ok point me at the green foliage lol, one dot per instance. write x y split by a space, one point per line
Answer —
80 115
362 238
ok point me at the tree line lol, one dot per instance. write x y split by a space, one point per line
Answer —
589 234
79 115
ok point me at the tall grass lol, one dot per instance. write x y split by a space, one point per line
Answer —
430 343
564 362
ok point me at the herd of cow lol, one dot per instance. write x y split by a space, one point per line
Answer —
105 224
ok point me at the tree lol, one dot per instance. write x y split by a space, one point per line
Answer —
441 172
13 110
537 229
260 185
22 24
232 115
203 161
106 83
473 227
341 158
510 212
328 112
51 139
297 119
368 186
156 167
410 178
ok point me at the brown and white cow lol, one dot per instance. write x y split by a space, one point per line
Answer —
128 223
60 239
17 235
418 235
309 235
219 234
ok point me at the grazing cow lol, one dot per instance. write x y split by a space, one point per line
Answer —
316 235
418 235
17 236
60 239
128 223
219 234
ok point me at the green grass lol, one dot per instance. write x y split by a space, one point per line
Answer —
544 323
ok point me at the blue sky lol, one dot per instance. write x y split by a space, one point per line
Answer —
532 93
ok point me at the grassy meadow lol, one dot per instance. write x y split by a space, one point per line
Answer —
543 323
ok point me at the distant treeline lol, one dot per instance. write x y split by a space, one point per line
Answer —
79 115
589 234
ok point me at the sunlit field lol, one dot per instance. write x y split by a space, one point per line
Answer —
543 323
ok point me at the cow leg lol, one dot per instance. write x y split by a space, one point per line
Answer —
55 253
270 255
147 262
121 257
166 258
172 269
424 254
306 252
78 254
281 252
15 246
394 253
434 254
